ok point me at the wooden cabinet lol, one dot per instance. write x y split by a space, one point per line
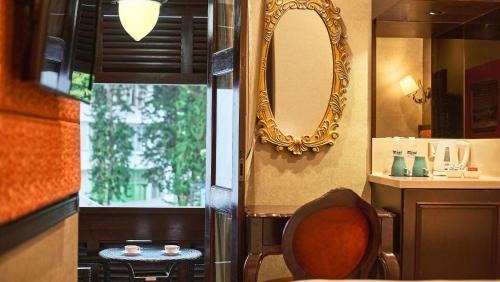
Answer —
444 233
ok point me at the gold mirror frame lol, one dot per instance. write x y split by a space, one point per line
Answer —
325 133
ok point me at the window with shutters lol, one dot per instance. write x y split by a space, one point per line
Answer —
174 52
143 133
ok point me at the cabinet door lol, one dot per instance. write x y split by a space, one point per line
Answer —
451 234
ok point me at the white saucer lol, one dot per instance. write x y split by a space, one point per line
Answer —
131 254
170 254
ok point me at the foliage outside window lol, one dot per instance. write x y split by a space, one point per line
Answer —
80 85
144 146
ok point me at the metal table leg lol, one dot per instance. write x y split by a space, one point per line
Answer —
106 267
133 275
170 268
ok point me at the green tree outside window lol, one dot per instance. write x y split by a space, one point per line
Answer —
111 144
174 142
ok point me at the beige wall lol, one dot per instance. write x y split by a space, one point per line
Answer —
49 257
283 179
483 154
427 80
397 115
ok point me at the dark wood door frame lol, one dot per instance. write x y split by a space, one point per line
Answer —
230 201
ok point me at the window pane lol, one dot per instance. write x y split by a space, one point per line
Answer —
225 24
143 146
224 133
54 44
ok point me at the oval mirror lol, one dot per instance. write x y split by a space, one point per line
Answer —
295 83
304 64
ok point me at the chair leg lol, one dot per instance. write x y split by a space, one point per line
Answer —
390 266
251 267
387 258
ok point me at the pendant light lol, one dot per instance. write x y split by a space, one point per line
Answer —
139 17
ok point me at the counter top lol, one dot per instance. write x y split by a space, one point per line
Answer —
436 182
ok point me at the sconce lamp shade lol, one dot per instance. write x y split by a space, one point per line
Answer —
138 17
408 85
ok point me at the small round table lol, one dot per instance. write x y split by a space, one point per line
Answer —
153 255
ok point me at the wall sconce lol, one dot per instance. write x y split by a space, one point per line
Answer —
410 87
139 17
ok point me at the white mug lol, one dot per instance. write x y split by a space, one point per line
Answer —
132 249
172 249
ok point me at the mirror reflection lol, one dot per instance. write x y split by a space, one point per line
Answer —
444 85
292 83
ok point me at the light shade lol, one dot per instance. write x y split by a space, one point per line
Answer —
138 17
408 85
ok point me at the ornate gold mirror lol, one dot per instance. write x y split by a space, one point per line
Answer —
309 60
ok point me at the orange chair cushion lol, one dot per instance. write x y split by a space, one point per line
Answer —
330 243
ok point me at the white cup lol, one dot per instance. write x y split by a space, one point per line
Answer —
132 249
172 249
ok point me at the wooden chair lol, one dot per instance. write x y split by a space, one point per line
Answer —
334 237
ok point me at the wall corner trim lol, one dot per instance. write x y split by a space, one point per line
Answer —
16 232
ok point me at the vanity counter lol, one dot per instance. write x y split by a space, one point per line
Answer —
443 224
435 182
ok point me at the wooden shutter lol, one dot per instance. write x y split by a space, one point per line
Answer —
85 36
200 44
175 52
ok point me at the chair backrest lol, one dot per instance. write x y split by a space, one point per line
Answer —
334 237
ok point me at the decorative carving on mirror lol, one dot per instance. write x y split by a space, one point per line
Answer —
326 132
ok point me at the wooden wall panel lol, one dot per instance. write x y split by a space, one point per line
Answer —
39 135
450 234
472 227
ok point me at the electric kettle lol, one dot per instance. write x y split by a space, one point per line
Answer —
446 156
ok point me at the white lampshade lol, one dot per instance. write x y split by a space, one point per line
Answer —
138 17
408 85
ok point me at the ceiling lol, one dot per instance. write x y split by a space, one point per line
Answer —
412 18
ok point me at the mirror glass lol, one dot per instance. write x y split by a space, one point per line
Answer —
461 68
299 69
